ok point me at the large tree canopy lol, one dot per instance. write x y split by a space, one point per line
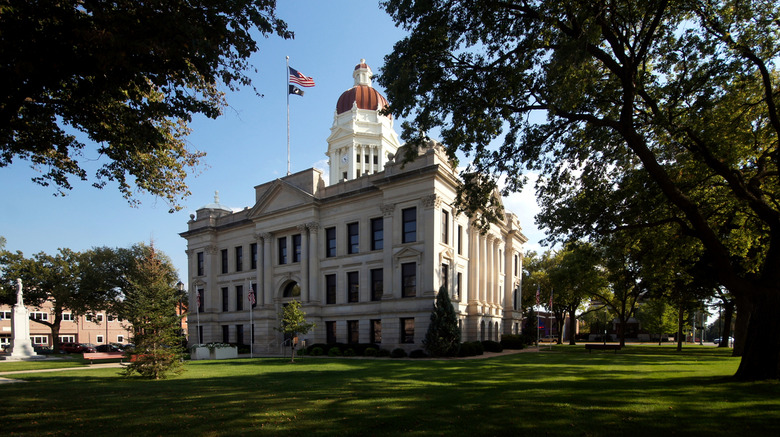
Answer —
127 74
651 112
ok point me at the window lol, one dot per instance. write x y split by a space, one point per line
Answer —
67 338
408 279
282 242
120 338
357 159
6 315
445 227
344 176
377 284
516 265
460 240
253 254
377 233
200 334
458 284
224 255
201 301
99 317
67 317
296 242
225 334
445 276
39 339
376 331
239 258
99 339
37 315
225 299
240 334
201 264
376 160
330 289
353 238
353 326
365 159
353 287
330 242
407 330
292 290
409 220
239 297
330 332
110 317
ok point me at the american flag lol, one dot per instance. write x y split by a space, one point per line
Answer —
537 294
251 296
551 296
198 299
298 77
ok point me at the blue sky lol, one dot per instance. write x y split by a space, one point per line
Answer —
245 147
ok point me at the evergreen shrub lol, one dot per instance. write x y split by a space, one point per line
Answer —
349 352
371 352
398 353
512 341
492 346
334 352
383 353
316 351
418 353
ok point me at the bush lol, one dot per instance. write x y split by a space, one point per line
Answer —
512 341
349 352
383 353
470 349
492 346
334 352
478 347
316 351
371 352
418 353
398 353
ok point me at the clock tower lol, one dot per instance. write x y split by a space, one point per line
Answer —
362 138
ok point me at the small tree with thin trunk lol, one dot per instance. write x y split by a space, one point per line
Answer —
443 336
292 321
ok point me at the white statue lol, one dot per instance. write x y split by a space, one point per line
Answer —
21 346
19 300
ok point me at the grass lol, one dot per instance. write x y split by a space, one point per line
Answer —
642 390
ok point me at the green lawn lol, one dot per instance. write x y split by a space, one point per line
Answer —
642 390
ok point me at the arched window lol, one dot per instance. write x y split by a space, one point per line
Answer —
482 330
292 290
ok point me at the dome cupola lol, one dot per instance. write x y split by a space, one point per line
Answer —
362 95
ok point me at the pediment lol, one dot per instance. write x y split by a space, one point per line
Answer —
280 196
407 254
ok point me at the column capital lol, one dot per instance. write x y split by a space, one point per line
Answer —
265 236
313 226
212 249
432 201
387 209
301 228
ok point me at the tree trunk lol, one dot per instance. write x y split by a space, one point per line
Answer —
680 321
741 325
622 331
572 327
728 313
761 356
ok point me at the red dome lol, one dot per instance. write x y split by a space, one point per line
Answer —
365 96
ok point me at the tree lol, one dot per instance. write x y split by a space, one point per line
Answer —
59 279
657 316
149 304
653 113
443 336
292 321
127 75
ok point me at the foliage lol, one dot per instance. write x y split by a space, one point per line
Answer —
443 335
67 280
316 351
398 353
637 115
292 321
150 303
383 353
530 331
371 352
126 75
512 341
471 349
492 346
657 317
334 352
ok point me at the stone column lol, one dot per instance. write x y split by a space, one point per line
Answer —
482 268
314 261
210 290
389 234
304 263
267 299
260 268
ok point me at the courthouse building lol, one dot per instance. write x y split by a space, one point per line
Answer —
364 252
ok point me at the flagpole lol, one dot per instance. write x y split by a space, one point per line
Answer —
287 91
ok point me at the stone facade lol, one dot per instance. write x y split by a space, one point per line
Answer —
365 254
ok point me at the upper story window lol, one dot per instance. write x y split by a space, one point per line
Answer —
377 234
353 287
37 315
282 242
460 240
330 289
408 279
67 317
353 238
296 242
225 300
201 264
224 254
239 258
253 254
409 222
377 284
330 242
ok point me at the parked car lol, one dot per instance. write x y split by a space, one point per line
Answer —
76 348
107 348
730 339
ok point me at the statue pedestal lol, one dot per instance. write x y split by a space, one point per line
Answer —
21 347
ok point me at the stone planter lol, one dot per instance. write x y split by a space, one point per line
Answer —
217 353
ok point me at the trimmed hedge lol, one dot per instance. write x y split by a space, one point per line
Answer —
512 341
492 346
470 349
418 353
398 353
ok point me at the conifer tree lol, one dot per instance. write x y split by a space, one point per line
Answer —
150 306
443 336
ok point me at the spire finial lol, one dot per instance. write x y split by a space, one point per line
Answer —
216 196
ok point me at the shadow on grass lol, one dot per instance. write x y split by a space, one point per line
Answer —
564 392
